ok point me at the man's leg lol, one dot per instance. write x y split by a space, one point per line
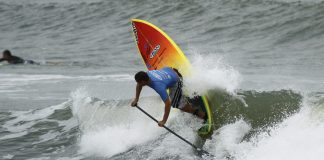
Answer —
189 109
179 101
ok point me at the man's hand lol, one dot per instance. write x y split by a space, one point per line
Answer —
161 123
134 103
166 112
137 94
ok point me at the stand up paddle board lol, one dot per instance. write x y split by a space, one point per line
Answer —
158 50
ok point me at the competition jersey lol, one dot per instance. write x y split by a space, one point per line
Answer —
161 80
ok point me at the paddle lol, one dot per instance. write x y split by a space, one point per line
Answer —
199 150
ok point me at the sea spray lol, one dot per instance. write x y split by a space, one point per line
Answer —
111 128
297 137
210 72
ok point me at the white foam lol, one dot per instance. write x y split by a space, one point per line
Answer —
111 128
112 140
46 137
8 156
30 118
210 72
298 137
14 135
185 125
10 82
226 140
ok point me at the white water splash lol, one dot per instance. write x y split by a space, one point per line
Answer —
110 128
298 137
210 72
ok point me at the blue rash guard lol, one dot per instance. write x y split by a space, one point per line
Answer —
161 80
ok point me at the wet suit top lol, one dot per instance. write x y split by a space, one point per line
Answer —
13 60
162 79
17 60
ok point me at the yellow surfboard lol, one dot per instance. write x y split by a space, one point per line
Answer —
158 50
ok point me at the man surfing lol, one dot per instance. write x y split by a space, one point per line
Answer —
160 81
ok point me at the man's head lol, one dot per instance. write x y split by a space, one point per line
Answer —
6 54
142 78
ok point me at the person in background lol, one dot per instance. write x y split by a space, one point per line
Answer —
7 56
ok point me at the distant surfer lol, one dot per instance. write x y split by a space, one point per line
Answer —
7 56
160 81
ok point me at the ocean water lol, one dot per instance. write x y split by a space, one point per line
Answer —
259 61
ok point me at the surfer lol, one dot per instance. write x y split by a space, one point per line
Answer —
7 56
160 81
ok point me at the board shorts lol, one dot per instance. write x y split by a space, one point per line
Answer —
178 100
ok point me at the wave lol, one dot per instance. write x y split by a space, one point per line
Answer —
260 109
86 126
106 125
296 137
38 133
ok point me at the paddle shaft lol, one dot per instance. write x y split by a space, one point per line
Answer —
192 145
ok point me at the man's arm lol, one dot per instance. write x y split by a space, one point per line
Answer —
167 108
1 59
137 94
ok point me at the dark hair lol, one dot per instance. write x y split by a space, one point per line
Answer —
141 76
7 52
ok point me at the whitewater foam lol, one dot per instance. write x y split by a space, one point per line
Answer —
210 72
29 118
298 137
111 128
227 139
